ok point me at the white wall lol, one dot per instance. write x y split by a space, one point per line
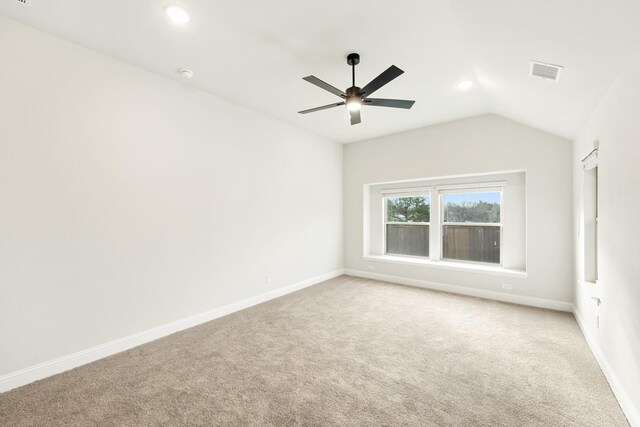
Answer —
129 200
478 145
616 125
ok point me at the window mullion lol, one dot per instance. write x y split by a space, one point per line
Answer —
434 230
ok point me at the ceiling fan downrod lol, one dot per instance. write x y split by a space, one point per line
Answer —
353 59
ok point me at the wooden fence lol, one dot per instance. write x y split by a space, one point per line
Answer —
408 239
460 242
471 243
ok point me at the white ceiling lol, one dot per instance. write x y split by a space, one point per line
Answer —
255 53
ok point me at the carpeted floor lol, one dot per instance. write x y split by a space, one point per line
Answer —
345 352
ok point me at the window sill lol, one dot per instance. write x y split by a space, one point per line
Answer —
449 265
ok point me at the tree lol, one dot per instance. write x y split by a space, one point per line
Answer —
408 209
479 211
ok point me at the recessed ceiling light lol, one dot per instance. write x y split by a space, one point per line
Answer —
186 73
177 14
465 84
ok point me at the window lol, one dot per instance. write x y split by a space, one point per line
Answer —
590 215
465 222
407 220
471 225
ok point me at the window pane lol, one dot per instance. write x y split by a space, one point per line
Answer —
408 209
408 239
472 207
471 243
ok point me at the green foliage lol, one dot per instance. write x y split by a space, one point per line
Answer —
408 209
472 212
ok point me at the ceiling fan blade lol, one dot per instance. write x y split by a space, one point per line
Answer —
324 107
384 78
393 103
324 85
355 117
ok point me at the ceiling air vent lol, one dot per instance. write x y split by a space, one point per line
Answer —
24 2
545 71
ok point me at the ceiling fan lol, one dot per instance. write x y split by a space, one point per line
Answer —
354 97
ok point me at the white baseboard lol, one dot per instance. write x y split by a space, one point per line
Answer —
499 296
628 405
61 364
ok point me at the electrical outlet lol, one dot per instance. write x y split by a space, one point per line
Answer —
506 286
267 278
372 267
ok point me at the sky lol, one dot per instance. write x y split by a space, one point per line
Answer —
456 198
492 197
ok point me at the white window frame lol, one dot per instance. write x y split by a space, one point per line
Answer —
374 218
469 189
590 248
595 220
411 192
436 218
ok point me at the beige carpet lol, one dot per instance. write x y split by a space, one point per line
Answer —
345 352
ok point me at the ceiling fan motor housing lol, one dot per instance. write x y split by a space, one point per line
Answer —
353 92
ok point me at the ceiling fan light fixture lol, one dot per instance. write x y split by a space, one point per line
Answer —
354 104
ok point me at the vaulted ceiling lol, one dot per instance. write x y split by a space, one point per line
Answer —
255 53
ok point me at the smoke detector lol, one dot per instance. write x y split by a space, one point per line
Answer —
545 71
186 73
